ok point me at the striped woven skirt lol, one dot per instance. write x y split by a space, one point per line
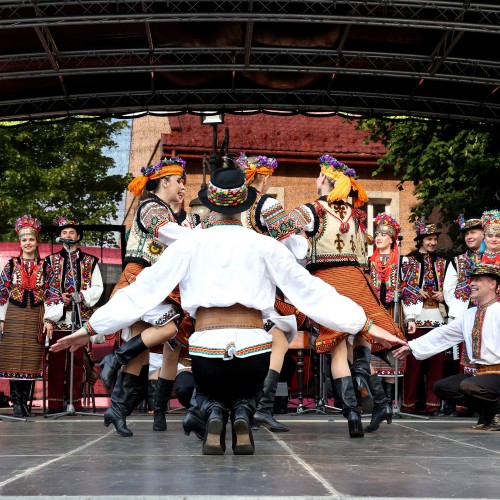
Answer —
22 347
352 282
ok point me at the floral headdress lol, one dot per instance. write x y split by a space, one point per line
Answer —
166 166
392 224
471 223
423 229
27 225
256 165
62 222
344 179
491 221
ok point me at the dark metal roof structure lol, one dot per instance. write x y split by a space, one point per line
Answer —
437 58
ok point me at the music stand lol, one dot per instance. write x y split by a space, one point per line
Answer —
75 307
396 410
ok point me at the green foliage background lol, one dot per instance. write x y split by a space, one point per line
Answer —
58 168
453 167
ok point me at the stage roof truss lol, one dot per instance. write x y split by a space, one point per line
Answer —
109 58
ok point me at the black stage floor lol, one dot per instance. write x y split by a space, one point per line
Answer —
78 457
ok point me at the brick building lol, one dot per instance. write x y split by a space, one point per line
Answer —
295 141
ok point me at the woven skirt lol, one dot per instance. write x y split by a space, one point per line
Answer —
352 282
22 348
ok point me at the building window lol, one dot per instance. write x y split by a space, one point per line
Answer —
375 206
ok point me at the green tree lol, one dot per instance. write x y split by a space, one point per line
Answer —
53 168
452 167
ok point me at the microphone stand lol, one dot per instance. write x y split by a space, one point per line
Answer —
396 411
321 386
75 308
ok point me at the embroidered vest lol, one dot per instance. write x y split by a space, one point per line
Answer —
336 238
18 287
462 264
142 247
412 277
60 281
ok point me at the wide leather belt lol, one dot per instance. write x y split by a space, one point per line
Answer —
236 316
487 369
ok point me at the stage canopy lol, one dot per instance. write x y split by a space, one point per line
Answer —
438 59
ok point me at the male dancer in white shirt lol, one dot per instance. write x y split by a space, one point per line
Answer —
479 328
228 277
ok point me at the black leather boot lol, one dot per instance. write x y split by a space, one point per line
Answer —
382 409
122 399
193 420
25 388
387 356
216 416
345 389
360 376
16 398
242 413
113 362
162 397
152 384
264 414
141 391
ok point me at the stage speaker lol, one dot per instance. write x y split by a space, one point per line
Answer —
281 398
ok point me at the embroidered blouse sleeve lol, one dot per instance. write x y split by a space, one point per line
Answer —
284 227
304 217
160 223
5 282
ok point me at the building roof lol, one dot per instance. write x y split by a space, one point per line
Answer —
110 58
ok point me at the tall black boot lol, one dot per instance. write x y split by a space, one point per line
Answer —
345 389
390 392
141 390
112 362
242 412
193 420
25 388
152 384
360 375
216 416
122 399
382 409
264 413
162 397
387 356
16 398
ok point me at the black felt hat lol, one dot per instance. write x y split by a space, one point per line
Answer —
227 192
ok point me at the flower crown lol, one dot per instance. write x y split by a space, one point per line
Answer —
386 220
27 224
264 161
491 220
154 169
330 163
